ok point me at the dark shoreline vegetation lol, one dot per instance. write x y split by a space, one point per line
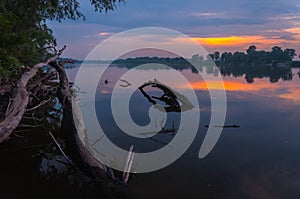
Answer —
252 64
35 94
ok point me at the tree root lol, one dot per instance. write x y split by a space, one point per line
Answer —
20 95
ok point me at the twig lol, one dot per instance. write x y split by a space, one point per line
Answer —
39 105
20 131
97 140
62 152
29 126
18 136
8 106
33 118
18 107
128 165
126 83
63 162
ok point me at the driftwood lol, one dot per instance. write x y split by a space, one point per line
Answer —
79 154
23 94
20 98
5 89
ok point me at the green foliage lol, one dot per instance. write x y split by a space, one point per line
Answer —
25 38
9 67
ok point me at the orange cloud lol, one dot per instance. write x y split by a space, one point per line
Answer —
226 41
295 31
293 94
238 40
103 33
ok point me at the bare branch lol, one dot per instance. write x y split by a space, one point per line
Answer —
21 96
62 152
39 105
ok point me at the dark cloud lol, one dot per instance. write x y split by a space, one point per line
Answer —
170 13
194 17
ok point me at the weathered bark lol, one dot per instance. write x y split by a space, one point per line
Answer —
76 149
5 89
20 101
20 97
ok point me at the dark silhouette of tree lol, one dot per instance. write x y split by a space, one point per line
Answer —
290 52
211 56
239 57
226 57
256 57
216 56
251 50
252 53
25 37
279 55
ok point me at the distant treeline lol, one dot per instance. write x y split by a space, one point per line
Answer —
252 55
275 64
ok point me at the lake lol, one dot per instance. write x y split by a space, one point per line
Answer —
260 159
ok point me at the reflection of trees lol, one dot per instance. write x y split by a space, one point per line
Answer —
273 72
274 65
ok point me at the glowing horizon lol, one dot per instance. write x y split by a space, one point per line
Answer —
238 85
239 43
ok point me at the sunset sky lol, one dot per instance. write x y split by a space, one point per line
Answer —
228 25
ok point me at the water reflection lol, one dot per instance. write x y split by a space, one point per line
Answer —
258 160
273 71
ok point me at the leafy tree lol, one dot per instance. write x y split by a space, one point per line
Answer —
251 50
25 37
226 57
239 57
290 52
216 56
252 53
257 57
211 56
276 53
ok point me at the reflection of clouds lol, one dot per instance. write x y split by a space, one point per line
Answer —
283 89
264 183
232 85
105 91
293 94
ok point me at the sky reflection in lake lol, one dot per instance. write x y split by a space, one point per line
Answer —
258 160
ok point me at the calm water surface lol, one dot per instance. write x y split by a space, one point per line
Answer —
258 160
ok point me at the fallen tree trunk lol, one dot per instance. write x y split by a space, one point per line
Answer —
20 101
76 149
20 98
5 89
